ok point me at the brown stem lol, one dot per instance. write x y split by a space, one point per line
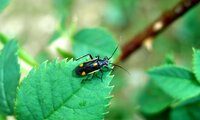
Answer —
164 21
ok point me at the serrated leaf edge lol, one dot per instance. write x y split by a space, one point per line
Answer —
193 64
16 54
65 61
167 66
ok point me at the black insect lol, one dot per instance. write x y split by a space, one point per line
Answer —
91 67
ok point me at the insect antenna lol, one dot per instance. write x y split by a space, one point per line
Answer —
120 67
113 52
115 49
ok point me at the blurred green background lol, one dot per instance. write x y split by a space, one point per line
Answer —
38 24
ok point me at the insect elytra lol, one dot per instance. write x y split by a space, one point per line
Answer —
94 65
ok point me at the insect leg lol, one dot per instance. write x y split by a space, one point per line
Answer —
92 76
98 57
101 75
85 56
86 79
108 68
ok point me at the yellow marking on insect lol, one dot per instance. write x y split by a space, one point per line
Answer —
93 72
83 73
81 65
95 64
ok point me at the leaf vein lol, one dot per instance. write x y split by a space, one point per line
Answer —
48 116
3 86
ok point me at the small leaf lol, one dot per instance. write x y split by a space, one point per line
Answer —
94 41
187 30
196 64
190 101
3 4
3 38
52 92
153 99
169 59
42 56
64 53
55 36
62 8
9 77
175 81
180 114
189 112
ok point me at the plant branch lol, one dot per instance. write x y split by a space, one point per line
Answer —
159 25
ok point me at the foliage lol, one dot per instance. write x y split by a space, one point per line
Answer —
2 117
196 66
119 14
62 7
55 86
9 77
187 111
152 95
95 41
175 81
180 85
3 4
52 92
62 11
188 30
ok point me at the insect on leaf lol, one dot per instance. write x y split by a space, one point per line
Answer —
52 92
9 77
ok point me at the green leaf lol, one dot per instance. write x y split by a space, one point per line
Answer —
64 53
3 4
169 59
94 41
2 117
62 7
22 54
187 29
55 36
3 38
179 114
53 92
196 64
42 56
190 101
175 81
151 96
9 77
189 112
120 13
